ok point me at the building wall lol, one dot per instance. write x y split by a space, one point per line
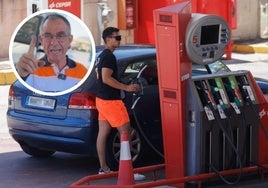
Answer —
247 20
11 14
263 14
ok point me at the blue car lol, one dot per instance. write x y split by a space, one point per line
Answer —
71 125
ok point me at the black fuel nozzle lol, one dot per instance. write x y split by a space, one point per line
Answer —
208 95
244 92
137 94
216 93
243 84
234 94
217 96
244 80
136 80
237 97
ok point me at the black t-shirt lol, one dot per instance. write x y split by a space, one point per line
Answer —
106 60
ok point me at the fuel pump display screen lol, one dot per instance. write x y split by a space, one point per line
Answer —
210 34
206 38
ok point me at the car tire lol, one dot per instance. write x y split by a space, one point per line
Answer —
113 148
36 152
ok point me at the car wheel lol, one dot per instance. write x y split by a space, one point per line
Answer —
36 152
113 148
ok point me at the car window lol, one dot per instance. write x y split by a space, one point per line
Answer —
212 68
218 67
148 75
198 69
28 30
23 38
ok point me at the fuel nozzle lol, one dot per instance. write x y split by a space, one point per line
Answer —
234 95
209 97
244 80
136 80
217 96
233 91
237 97
245 89
139 93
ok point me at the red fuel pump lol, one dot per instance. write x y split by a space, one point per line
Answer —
183 38
209 123
174 68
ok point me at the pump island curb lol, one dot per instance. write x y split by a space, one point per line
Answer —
7 75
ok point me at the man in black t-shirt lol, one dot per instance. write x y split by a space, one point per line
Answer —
107 60
112 111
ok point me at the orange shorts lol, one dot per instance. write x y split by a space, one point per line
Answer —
113 111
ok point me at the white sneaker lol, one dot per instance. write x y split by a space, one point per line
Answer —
139 177
102 171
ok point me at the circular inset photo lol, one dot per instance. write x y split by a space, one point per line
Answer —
52 52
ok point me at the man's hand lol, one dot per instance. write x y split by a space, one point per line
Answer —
27 63
133 87
109 80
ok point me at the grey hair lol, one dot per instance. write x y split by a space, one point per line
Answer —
55 16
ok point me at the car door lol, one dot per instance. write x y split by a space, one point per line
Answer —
145 115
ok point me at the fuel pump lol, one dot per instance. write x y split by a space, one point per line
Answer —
205 120
221 118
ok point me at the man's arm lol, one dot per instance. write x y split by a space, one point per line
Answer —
109 80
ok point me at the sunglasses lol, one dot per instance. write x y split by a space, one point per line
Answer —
118 37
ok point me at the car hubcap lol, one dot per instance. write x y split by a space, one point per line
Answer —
135 145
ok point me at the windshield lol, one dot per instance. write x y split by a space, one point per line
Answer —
28 30
213 68
197 69
217 67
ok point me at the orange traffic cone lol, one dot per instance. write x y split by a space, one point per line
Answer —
125 173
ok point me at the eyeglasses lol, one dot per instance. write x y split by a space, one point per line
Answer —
118 37
59 37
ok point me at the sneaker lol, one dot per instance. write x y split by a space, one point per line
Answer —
102 171
139 177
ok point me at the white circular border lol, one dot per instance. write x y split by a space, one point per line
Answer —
92 43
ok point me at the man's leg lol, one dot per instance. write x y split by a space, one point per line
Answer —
104 130
125 128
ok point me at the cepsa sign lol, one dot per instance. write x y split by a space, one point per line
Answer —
72 6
